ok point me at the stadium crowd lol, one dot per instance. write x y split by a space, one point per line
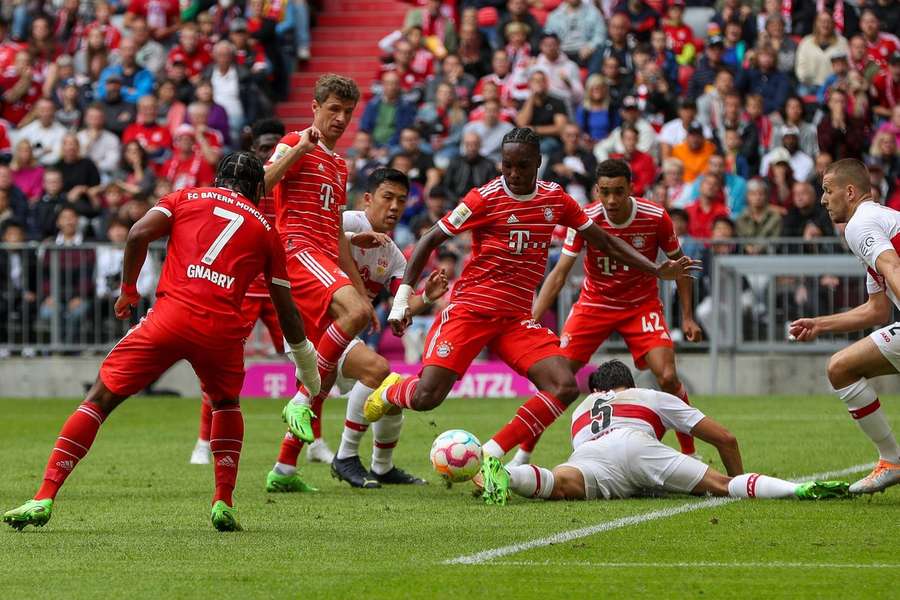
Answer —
727 111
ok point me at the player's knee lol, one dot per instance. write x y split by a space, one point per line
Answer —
565 389
840 372
426 397
568 484
100 396
375 371
668 381
357 316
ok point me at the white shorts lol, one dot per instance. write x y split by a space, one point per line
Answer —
888 341
627 461
344 384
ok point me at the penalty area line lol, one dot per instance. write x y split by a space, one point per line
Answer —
567 536
697 565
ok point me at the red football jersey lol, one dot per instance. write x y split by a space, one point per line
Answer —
218 244
260 286
880 51
309 198
510 240
611 285
194 62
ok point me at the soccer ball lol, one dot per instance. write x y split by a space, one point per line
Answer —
456 455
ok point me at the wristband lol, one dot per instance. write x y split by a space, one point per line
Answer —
129 289
426 300
401 298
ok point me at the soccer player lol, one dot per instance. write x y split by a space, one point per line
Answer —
218 243
511 220
257 303
616 433
360 369
616 298
873 235
309 183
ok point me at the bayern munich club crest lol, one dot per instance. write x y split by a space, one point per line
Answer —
548 214
638 241
444 349
564 340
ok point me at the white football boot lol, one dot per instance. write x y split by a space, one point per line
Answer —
882 477
319 451
201 454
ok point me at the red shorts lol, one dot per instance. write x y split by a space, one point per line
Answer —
261 307
643 328
314 280
459 334
158 342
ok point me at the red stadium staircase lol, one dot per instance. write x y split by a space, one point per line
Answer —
344 41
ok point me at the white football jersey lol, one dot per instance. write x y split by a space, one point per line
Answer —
379 268
636 408
871 230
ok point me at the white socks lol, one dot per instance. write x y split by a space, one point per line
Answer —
864 407
386 432
492 448
300 398
754 485
354 433
531 481
283 469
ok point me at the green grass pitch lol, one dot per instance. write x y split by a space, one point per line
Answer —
133 520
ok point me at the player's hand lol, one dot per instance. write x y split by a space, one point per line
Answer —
436 285
691 330
676 269
309 139
374 321
804 330
370 239
124 303
398 326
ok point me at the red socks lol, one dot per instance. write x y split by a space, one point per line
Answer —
205 418
332 344
686 441
72 445
528 445
226 439
401 393
290 449
316 406
530 421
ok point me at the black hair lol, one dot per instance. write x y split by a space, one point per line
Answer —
679 212
611 375
522 135
614 167
242 172
724 219
267 126
383 174
448 255
437 192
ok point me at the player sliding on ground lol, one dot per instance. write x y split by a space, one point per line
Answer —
616 434
873 235
511 219
218 243
616 298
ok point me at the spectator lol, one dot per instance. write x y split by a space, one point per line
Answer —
674 132
362 162
707 67
109 33
792 117
681 225
858 96
679 37
734 188
118 113
844 136
543 112
422 170
135 177
735 51
108 268
785 47
190 51
209 140
759 122
162 16
517 12
18 285
135 81
594 116
642 18
883 154
80 175
468 170
422 61
801 164
40 218
500 76
617 46
780 179
804 212
442 121
187 168
708 207
490 130
630 115
766 80
412 81
385 115
711 105
737 12
643 169
619 85
233 89
760 220
436 206
581 30
27 173
735 161
664 58
694 153
886 87
573 167
888 13
474 52
840 69
102 146
44 134
170 111
452 74
814 54
673 180
881 43
153 137
261 26
149 54
519 55
893 126
860 60
6 209
17 200
438 27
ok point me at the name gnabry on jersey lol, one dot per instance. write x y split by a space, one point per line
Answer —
201 272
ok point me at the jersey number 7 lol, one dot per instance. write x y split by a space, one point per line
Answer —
234 222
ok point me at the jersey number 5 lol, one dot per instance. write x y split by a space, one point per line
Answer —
234 222
326 193
601 415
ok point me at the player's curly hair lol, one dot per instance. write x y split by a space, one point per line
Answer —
611 375
242 172
522 135
612 168
337 85
268 126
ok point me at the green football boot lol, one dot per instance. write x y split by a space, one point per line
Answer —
33 512
224 517
276 482
495 480
299 420
822 490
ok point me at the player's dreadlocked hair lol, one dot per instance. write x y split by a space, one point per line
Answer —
242 172
267 126
612 168
522 135
611 375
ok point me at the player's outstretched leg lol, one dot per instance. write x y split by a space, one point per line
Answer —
226 440
284 477
422 393
346 466
754 485
523 454
386 434
201 455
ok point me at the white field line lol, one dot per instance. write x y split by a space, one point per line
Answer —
568 536
697 565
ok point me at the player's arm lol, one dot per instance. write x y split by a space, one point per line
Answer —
552 285
152 226
302 351
436 286
285 156
399 316
348 266
621 251
717 435
685 289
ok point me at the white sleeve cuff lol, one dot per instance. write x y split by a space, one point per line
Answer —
443 228
163 210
